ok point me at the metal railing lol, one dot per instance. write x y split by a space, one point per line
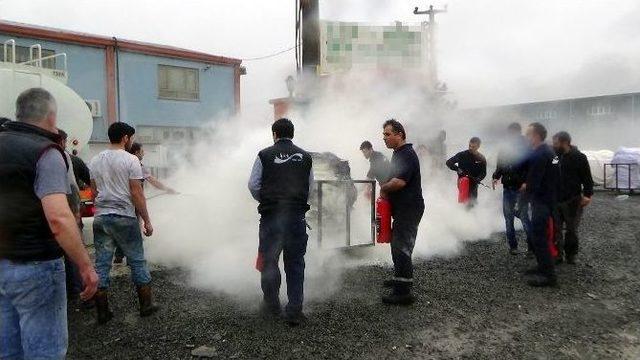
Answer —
348 205
616 168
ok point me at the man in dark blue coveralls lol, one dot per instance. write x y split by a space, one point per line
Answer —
404 191
540 186
280 181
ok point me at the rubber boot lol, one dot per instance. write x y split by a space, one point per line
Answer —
101 300
147 306
401 295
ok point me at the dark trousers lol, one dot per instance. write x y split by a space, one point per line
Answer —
403 240
284 233
515 205
567 215
540 214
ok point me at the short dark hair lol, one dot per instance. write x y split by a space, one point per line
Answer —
283 128
396 127
475 140
135 147
366 145
119 130
515 127
563 136
539 129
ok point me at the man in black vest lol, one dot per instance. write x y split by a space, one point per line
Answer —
280 181
404 191
36 228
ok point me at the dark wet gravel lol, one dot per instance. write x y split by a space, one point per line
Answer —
474 306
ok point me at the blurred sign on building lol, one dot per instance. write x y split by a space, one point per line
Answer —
346 46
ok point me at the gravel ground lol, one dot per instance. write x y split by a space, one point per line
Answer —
474 306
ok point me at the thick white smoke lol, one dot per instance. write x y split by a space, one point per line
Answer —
212 228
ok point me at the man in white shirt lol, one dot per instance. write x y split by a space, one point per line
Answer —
116 179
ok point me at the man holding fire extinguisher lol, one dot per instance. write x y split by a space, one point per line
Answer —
472 165
540 187
404 192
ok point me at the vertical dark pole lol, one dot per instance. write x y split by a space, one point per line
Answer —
617 187
310 35
319 214
605 176
373 212
347 211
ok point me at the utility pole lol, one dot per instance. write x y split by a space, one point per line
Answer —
310 35
432 62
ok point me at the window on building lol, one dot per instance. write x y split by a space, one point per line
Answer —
547 115
600 109
178 83
22 55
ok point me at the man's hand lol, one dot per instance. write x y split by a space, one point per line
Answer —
494 182
585 201
148 229
90 282
523 188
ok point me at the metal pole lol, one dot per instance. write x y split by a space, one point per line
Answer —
373 213
347 212
319 214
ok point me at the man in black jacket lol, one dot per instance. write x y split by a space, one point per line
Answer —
510 170
575 190
280 181
540 187
378 163
472 164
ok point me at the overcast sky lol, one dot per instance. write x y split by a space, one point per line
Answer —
490 51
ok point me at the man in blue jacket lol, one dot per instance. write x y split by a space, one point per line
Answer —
540 186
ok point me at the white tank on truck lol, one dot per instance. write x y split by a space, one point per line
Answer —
74 116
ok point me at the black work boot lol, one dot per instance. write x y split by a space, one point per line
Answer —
535 270
390 283
401 295
145 298
294 318
268 310
541 280
101 300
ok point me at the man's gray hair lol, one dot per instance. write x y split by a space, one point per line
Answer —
34 104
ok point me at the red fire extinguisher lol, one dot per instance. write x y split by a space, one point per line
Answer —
463 189
383 221
551 238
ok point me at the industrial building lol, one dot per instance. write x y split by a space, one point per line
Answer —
167 93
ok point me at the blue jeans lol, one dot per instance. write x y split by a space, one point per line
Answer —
112 230
515 204
283 233
33 310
